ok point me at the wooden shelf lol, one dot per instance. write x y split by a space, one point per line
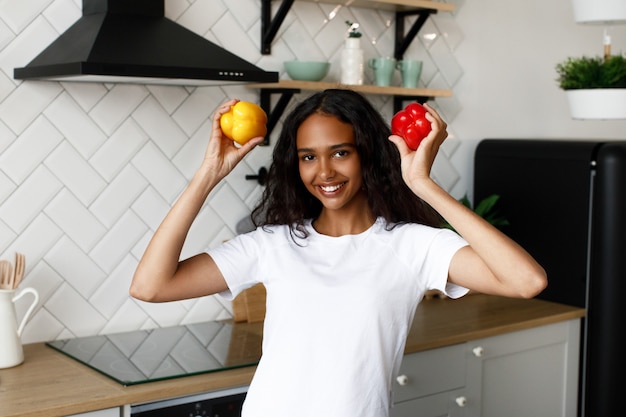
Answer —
364 89
392 4
287 88
272 20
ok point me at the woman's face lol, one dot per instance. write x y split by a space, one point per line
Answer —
329 164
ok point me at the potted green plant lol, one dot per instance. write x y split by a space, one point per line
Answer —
595 86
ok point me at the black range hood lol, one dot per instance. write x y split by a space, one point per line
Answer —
131 41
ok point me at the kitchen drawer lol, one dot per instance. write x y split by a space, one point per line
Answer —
439 405
430 372
110 412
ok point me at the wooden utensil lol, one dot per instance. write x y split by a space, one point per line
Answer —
20 266
6 275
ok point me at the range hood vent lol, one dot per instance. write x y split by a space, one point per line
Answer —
131 41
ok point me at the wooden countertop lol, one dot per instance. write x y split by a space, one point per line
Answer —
51 384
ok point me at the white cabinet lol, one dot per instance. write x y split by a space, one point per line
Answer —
525 373
532 372
430 383
109 412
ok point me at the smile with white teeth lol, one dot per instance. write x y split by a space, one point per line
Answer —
331 188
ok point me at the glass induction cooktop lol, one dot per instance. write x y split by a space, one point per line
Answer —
151 355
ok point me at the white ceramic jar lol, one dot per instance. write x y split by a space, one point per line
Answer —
352 62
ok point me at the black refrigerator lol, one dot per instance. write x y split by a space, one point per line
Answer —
565 201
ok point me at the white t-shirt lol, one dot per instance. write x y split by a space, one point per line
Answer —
338 312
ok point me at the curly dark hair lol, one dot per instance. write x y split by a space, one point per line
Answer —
286 201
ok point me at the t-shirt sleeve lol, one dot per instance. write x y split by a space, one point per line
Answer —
437 265
237 260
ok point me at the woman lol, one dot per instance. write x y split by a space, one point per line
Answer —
349 241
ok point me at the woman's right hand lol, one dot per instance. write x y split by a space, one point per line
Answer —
416 165
222 154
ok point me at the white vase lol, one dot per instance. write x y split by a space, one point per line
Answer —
599 103
352 62
599 11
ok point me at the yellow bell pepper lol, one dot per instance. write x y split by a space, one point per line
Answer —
243 122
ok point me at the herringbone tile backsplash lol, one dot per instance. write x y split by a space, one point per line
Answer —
87 171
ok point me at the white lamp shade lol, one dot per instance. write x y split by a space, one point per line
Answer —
599 11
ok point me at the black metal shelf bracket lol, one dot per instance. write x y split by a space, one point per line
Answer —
404 41
274 114
398 101
269 26
260 177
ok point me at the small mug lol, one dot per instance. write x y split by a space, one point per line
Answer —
383 70
410 71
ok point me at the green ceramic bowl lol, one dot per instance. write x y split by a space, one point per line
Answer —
307 70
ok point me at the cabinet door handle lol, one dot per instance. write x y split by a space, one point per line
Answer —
460 401
478 351
402 380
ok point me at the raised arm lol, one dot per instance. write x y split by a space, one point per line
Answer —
160 276
492 263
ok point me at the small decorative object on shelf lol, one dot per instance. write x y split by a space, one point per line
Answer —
352 57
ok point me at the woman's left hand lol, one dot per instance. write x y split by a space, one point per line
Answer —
416 165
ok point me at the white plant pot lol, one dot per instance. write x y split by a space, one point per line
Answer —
599 11
599 103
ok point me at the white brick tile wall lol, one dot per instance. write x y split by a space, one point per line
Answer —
119 149
206 225
112 294
23 206
6 234
86 95
191 153
118 241
226 197
62 14
164 314
39 237
160 127
75 219
151 207
126 318
6 87
5 35
195 110
27 44
26 103
75 125
161 173
75 266
21 158
46 280
114 201
169 97
116 106
87 170
20 14
243 46
74 311
75 172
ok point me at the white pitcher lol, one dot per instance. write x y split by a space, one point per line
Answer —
11 352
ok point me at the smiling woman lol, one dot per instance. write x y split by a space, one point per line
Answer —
330 169
347 221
